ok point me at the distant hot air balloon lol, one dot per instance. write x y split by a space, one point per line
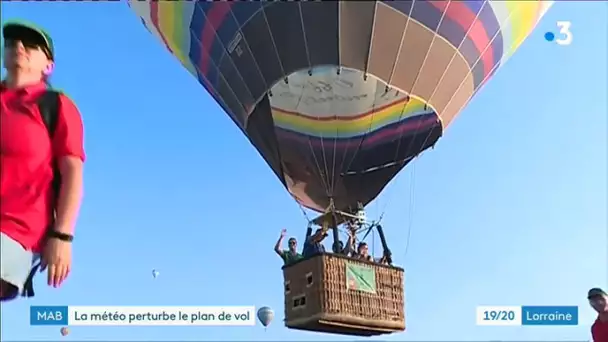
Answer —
155 273
338 96
64 331
265 315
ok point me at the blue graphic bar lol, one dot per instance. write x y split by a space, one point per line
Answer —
549 315
48 315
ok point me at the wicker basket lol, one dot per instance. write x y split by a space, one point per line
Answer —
318 297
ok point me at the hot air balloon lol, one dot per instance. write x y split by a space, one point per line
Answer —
265 315
64 331
338 97
155 273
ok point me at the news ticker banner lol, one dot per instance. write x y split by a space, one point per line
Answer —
143 315
246 316
527 315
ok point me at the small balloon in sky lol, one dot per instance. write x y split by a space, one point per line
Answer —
155 273
265 315
64 331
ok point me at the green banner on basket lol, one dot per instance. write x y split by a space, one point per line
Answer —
359 277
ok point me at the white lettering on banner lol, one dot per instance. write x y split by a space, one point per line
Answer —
161 315
333 98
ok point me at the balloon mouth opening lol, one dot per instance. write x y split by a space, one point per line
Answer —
331 100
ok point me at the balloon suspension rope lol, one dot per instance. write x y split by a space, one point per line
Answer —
410 210
308 220
410 222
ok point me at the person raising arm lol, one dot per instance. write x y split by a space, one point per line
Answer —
291 255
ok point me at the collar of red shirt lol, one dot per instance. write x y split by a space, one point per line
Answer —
32 88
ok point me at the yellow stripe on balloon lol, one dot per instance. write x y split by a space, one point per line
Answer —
349 127
171 22
523 20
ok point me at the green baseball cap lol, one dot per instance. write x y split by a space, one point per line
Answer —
595 292
18 29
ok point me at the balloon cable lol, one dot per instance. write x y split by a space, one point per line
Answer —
410 223
308 220
410 208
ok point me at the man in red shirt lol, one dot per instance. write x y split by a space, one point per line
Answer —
33 218
599 302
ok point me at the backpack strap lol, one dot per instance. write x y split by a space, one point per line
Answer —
28 286
48 104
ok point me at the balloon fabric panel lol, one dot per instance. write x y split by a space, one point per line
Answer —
339 96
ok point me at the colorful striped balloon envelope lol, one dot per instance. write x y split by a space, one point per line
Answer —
338 97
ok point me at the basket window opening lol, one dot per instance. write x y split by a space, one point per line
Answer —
309 279
299 301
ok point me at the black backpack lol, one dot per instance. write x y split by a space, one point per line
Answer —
48 105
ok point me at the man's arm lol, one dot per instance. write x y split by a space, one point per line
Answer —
277 246
348 249
317 236
68 149
70 194
350 243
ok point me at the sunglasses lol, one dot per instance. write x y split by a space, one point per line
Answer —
29 43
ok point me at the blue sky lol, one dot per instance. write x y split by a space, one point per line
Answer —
508 209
